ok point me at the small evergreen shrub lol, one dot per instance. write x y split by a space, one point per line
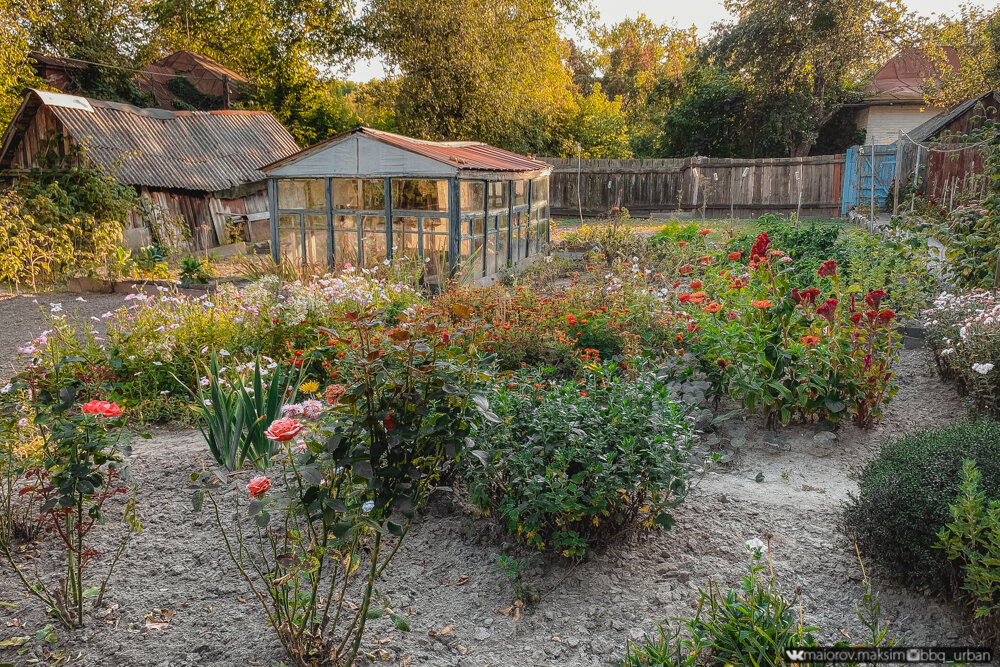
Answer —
571 463
904 496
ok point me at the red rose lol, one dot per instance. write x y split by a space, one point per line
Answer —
258 486
283 429
101 409
390 420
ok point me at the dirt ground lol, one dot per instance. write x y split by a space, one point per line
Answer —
588 611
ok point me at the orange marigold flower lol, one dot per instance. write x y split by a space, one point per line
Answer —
810 341
695 284
713 307
762 304
734 256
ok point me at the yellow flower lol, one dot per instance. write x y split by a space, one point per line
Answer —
309 387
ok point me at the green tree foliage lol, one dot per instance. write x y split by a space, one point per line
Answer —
16 72
799 60
974 34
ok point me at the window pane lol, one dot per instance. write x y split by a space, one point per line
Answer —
288 221
291 194
316 246
345 221
404 237
436 225
345 247
414 195
540 190
315 221
464 251
435 258
502 248
373 239
373 194
498 194
472 194
491 253
477 227
502 221
520 193
345 193
290 246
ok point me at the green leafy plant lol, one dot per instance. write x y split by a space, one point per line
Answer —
513 571
904 496
349 477
193 272
234 414
972 540
751 625
572 463
81 471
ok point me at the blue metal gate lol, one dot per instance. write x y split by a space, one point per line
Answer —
864 163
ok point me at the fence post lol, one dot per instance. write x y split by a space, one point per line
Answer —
897 173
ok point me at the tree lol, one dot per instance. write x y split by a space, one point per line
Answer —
974 34
635 54
818 50
475 69
16 72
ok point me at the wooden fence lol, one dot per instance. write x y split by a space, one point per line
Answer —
717 187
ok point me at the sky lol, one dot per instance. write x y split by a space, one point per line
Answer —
681 13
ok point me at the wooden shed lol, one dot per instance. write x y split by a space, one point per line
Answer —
201 167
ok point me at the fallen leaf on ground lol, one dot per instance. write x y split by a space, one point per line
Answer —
15 641
14 623
406 661
159 619
556 639
461 649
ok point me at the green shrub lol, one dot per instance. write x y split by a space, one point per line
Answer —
904 496
673 232
573 462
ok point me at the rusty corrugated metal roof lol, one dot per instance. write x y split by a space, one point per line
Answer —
187 150
906 73
463 155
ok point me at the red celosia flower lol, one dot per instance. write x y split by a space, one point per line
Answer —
734 256
283 429
760 247
828 309
810 294
101 409
874 298
886 315
856 317
828 268
687 268
796 296
258 486
390 420
810 341
762 304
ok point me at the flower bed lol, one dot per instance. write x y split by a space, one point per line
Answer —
963 331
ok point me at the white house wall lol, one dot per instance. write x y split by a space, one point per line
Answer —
359 155
883 123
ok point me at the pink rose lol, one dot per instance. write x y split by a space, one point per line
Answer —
283 429
258 486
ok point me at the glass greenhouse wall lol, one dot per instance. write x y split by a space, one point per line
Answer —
455 224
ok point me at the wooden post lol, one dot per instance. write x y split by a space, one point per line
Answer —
916 178
898 171
579 168
871 205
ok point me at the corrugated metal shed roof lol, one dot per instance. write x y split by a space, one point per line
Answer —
205 151
931 128
463 155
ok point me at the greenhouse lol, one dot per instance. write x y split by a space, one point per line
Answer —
366 196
